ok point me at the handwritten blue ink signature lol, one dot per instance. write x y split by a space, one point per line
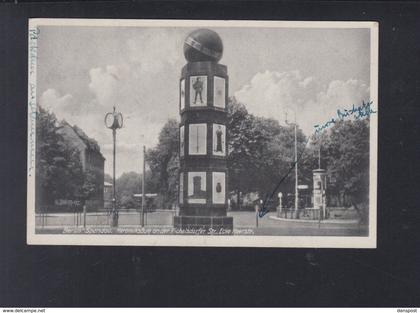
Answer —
362 111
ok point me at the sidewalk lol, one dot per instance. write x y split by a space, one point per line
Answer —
327 221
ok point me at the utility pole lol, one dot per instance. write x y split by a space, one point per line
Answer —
296 165
296 173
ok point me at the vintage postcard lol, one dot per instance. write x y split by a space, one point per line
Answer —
202 133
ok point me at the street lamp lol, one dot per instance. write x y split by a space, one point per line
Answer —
114 120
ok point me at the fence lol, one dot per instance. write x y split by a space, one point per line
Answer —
126 218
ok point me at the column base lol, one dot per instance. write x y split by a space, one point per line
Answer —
203 222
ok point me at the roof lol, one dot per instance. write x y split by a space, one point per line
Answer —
90 143
106 184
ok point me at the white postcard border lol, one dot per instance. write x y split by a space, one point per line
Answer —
200 240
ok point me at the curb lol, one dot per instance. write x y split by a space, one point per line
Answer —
314 221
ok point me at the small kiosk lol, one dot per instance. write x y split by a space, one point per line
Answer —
320 185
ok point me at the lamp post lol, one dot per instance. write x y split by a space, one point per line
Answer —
279 208
114 120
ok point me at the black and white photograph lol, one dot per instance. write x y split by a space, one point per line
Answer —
202 133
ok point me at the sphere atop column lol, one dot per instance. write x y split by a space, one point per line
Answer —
203 45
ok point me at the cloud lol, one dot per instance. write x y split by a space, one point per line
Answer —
51 100
343 93
270 93
104 84
275 94
337 95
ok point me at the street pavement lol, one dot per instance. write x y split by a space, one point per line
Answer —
272 227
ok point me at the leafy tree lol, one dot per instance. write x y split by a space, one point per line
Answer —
240 157
163 162
261 152
90 187
59 172
345 156
346 153
127 185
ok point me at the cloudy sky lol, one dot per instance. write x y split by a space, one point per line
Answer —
84 71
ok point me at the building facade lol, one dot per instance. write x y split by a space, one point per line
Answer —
91 158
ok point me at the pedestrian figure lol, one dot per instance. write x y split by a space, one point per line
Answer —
198 88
